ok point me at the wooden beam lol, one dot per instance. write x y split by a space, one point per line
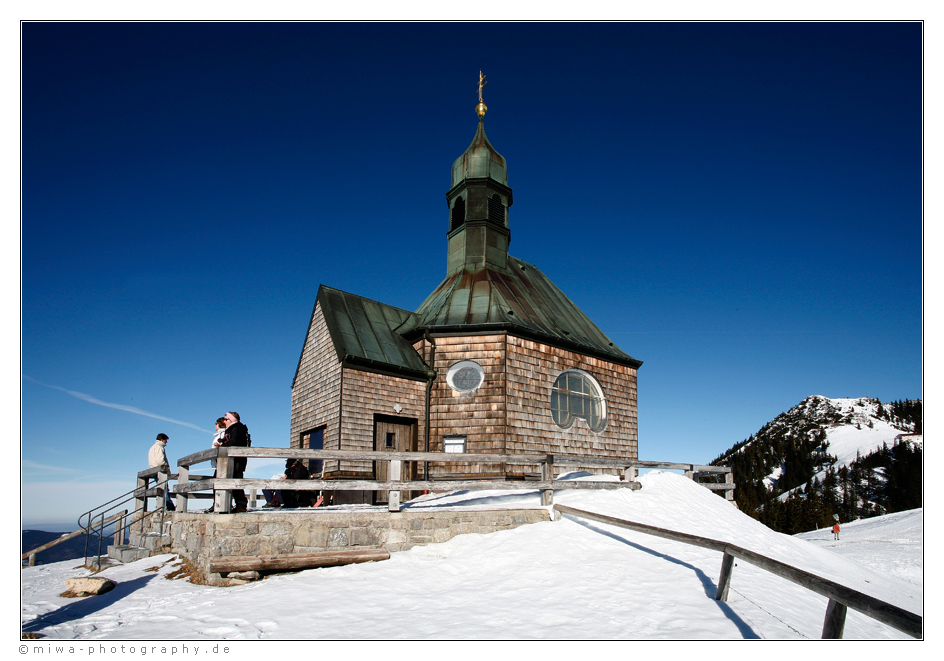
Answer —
695 540
290 561
199 457
222 501
835 620
183 477
547 475
393 497
80 531
414 485
724 581
153 472
712 486
464 457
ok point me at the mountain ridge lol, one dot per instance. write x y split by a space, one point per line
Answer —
830 459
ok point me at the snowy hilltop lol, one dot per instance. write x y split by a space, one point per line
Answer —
569 579
828 458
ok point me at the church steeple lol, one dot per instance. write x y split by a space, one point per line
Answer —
478 203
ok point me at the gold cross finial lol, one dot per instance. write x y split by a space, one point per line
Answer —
481 107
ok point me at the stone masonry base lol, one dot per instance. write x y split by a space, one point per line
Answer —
202 537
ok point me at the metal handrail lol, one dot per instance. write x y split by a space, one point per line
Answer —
107 509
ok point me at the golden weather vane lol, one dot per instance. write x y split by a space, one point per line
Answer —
481 107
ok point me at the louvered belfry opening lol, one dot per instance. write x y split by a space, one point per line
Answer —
496 210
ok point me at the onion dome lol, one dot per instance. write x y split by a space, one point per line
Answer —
480 159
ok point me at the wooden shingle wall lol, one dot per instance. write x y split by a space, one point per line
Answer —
511 411
531 370
316 394
480 415
367 393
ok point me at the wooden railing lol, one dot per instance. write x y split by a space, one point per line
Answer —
840 596
31 555
189 486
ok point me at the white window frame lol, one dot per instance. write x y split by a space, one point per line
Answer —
461 365
454 444
597 395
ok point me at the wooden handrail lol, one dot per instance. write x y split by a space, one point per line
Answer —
401 485
76 533
223 485
894 616
154 472
492 458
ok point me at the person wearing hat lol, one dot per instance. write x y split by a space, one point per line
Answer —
157 458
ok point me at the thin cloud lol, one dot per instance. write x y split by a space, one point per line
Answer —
120 407
43 468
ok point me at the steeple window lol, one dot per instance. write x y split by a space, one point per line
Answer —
457 217
496 210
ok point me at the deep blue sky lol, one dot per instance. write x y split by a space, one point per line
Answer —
736 205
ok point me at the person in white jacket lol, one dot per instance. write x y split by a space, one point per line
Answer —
157 458
217 439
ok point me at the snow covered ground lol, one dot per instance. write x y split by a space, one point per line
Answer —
564 580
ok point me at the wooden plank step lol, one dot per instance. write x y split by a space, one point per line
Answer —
289 561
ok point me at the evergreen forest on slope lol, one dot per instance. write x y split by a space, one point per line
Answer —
819 463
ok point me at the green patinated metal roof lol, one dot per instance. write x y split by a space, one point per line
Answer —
366 334
520 300
480 160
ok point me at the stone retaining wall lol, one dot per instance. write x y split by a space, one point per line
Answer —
202 537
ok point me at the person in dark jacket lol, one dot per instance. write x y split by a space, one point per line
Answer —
295 470
237 435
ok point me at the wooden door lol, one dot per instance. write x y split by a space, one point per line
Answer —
393 436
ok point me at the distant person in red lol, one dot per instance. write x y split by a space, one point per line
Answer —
237 435
836 531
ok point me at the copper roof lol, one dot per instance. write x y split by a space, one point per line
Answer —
520 300
365 334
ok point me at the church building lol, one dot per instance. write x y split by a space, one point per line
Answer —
497 359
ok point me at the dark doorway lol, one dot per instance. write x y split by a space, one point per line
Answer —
314 440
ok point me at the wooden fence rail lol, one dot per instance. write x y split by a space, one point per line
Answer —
840 596
81 531
189 487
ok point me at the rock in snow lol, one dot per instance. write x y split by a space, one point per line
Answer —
86 587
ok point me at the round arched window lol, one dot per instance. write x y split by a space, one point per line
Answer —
575 395
465 376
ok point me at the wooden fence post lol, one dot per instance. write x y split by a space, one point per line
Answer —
140 501
183 476
729 479
222 498
724 581
394 475
547 475
835 620
629 474
163 492
120 529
